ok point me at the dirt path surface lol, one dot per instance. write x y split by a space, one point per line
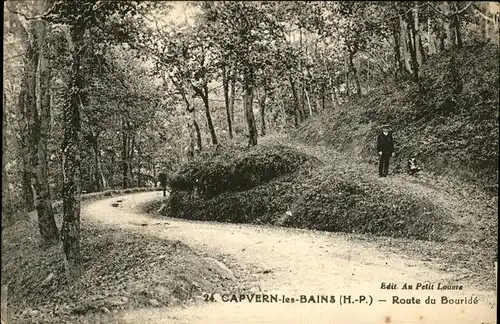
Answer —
294 263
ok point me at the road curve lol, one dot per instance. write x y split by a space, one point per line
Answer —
300 263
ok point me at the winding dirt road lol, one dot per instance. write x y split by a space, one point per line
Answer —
299 263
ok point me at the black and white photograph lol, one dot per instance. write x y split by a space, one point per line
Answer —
264 162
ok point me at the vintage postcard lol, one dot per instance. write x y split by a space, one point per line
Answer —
250 162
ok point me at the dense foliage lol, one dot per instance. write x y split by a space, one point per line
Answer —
449 122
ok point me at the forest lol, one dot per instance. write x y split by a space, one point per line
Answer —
106 95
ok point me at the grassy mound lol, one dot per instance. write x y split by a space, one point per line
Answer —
314 196
237 170
450 123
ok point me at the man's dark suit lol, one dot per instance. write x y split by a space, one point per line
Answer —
385 144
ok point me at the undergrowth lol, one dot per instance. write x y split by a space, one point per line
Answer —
449 121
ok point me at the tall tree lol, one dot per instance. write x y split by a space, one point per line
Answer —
78 18
27 98
42 119
34 105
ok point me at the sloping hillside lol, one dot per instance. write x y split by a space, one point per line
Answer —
449 122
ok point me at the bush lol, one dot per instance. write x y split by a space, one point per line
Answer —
237 171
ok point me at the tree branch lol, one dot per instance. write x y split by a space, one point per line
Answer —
464 8
437 10
38 17
482 14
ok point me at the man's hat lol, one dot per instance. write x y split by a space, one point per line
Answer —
386 126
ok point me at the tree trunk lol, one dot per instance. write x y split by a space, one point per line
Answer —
198 135
139 162
484 24
308 102
355 72
296 104
131 158
456 25
153 168
404 43
448 36
397 52
104 182
112 169
125 140
100 180
248 105
193 128
347 83
225 85
430 39
27 100
232 95
41 115
301 81
322 97
262 104
413 49
6 195
70 232
416 36
203 94
423 55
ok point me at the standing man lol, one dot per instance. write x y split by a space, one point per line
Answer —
385 149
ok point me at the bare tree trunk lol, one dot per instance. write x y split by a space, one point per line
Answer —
484 24
404 43
41 115
100 179
70 232
139 162
308 102
262 104
354 71
423 55
225 85
198 135
413 49
448 36
298 113
232 94
203 94
397 52
104 182
301 80
430 38
27 98
323 97
194 129
153 168
131 151
248 105
456 24
125 140
347 83
416 36
6 194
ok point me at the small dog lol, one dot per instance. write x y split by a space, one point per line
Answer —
412 166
